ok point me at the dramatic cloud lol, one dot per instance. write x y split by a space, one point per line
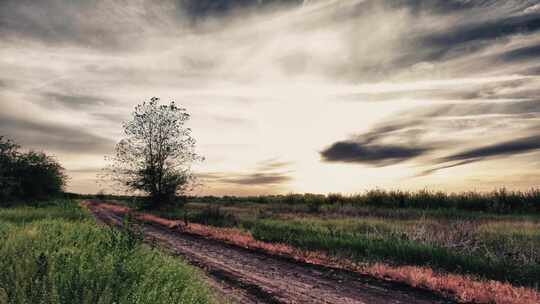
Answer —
206 8
356 152
524 53
507 148
386 88
479 30
503 149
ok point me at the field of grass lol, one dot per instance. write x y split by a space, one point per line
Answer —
500 245
55 253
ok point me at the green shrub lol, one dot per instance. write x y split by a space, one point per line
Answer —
28 175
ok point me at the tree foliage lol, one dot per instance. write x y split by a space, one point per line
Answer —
28 175
155 156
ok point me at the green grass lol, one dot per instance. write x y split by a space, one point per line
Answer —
489 245
57 254
376 242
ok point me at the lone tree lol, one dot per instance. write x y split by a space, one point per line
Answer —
156 154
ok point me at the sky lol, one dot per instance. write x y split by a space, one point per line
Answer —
285 96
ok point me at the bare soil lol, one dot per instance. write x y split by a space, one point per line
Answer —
249 276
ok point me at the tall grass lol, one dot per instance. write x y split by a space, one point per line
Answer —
377 242
487 245
57 254
500 201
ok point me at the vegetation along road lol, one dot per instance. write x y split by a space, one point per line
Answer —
248 276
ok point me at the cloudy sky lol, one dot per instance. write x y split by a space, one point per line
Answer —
285 96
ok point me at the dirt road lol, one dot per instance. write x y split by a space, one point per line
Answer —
247 276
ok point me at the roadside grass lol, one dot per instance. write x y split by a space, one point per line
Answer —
462 288
57 254
486 245
508 258
65 210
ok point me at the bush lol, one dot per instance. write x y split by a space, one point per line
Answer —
214 216
8 154
28 175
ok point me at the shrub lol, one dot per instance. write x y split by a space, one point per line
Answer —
214 216
28 175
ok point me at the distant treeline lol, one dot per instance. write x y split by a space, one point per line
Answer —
500 201
28 175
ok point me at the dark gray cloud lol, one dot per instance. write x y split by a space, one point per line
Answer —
106 24
414 133
109 25
506 148
524 53
490 30
477 25
433 170
473 35
250 179
41 135
439 7
373 154
503 149
207 8
258 179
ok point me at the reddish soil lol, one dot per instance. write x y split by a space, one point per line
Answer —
253 276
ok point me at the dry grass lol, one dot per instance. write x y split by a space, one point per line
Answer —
462 288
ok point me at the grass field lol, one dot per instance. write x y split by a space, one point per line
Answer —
489 243
56 253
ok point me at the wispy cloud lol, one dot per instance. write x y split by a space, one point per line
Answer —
53 136
249 179
506 148
372 83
